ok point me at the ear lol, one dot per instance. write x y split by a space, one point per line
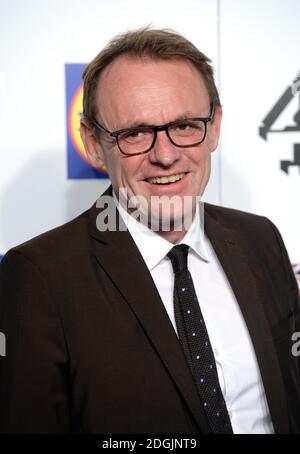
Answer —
214 128
92 146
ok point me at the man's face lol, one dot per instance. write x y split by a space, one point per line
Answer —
135 92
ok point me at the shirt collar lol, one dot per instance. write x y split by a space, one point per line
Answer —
153 247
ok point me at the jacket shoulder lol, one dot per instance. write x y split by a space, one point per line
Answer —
257 235
255 231
241 221
56 243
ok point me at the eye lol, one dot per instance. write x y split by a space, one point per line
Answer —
183 126
135 135
186 128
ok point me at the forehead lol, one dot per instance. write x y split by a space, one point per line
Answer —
148 86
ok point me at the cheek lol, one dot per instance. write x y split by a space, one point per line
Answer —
202 165
202 160
122 170
131 168
113 162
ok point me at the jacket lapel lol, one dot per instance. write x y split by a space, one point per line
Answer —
236 261
116 247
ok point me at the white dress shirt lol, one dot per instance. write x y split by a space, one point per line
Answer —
237 367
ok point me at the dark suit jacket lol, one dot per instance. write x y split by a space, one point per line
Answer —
90 347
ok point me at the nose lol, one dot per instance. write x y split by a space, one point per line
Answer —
164 152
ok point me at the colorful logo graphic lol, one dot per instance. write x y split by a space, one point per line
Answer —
78 164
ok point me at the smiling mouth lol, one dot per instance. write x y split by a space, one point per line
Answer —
166 180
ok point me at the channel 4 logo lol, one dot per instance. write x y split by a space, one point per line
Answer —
78 164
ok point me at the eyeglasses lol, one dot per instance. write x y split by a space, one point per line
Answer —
185 133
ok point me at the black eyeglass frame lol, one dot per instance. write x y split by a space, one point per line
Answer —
155 129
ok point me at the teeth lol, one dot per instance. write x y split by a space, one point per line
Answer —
165 180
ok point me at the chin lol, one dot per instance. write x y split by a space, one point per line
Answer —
169 220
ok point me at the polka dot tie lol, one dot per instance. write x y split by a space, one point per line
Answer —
195 342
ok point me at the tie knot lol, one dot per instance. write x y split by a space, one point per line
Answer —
178 256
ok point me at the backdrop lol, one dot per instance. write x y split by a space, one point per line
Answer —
44 45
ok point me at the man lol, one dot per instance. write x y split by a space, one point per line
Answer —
96 340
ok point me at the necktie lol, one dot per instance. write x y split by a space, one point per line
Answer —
195 342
